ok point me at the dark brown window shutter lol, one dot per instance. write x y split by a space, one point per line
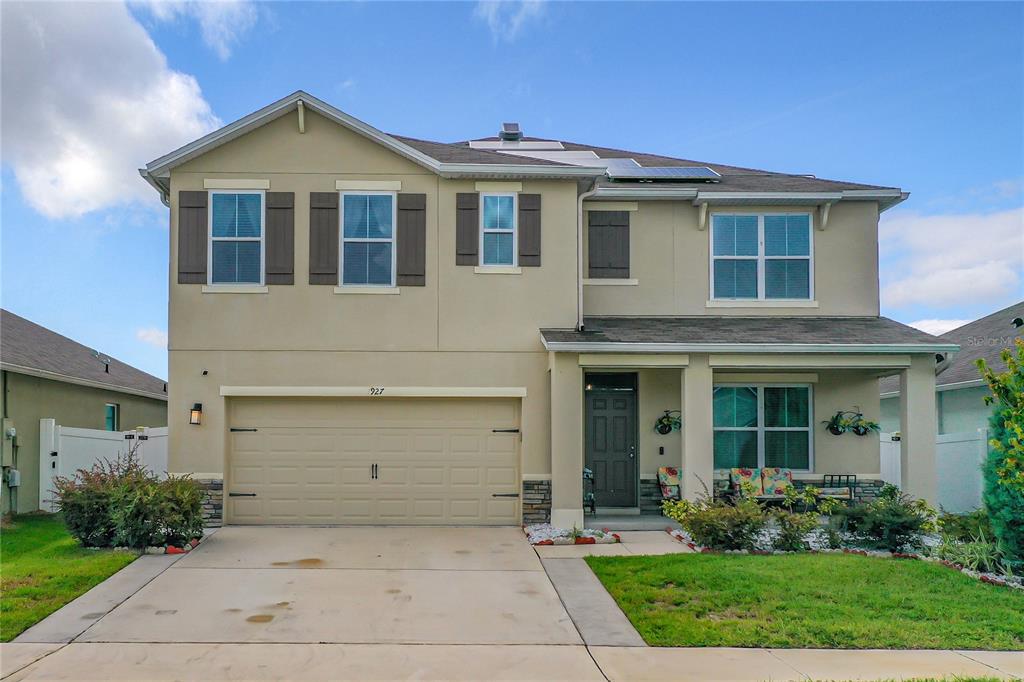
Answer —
529 230
411 259
280 238
323 238
608 245
193 230
467 228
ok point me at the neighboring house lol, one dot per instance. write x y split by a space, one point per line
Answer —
960 391
49 376
379 329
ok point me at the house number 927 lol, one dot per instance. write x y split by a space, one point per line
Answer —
376 390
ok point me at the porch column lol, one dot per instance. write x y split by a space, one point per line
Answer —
566 441
919 428
698 446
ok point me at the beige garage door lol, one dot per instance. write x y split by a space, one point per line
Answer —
373 460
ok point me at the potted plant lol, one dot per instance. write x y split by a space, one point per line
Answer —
848 420
668 422
836 424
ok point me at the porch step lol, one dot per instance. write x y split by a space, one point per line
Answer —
618 511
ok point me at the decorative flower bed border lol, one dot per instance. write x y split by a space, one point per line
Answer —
171 549
545 534
1016 583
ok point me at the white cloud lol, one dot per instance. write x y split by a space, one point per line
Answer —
87 99
506 18
941 260
223 23
152 336
938 327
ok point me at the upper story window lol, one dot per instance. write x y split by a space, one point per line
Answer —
236 253
498 229
762 426
761 257
368 239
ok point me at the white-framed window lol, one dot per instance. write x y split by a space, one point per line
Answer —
765 425
762 256
498 234
368 238
236 237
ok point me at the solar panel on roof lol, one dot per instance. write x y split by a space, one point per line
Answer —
662 173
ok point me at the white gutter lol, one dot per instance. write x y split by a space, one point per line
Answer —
78 381
972 383
886 198
868 348
579 256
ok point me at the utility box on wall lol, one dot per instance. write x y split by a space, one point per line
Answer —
9 439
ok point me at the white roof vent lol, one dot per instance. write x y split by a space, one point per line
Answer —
510 132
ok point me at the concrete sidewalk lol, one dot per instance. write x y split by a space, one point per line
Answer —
165 662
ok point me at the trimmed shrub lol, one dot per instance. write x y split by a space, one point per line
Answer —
793 528
121 504
1004 503
893 522
718 525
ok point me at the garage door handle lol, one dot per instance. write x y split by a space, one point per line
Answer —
505 495
241 494
235 430
504 430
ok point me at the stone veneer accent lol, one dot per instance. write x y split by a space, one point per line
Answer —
536 502
213 500
650 496
866 490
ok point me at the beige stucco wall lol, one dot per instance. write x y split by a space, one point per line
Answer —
29 399
669 256
462 329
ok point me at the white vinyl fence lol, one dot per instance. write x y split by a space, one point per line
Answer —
63 450
959 457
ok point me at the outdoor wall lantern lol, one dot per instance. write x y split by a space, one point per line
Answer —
195 415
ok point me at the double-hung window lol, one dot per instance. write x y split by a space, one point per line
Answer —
368 239
236 249
759 426
498 229
761 257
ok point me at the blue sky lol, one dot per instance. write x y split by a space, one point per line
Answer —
925 96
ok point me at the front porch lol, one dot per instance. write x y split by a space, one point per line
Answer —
761 406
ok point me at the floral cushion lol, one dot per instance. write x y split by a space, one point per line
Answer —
776 480
839 493
752 476
668 479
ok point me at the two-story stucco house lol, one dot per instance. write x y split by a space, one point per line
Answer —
380 329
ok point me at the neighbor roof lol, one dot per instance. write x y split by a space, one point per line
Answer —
28 348
985 339
744 334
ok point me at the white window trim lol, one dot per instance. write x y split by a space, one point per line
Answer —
227 286
393 240
761 429
515 230
761 258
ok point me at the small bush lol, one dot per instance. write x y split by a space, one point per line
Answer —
965 527
978 554
893 522
718 525
122 504
793 528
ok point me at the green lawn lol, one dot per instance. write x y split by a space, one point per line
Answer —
42 568
835 601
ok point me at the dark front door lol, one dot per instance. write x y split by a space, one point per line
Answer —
611 439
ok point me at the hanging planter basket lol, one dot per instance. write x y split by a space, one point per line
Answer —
852 421
668 422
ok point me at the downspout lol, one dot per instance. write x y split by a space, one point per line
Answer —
579 254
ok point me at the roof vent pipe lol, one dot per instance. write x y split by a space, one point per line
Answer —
510 132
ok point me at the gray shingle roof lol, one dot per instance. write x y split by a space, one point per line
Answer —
839 331
734 178
984 338
26 344
457 153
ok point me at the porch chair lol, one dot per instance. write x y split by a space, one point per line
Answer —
668 480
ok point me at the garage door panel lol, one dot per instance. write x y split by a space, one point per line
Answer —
438 461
